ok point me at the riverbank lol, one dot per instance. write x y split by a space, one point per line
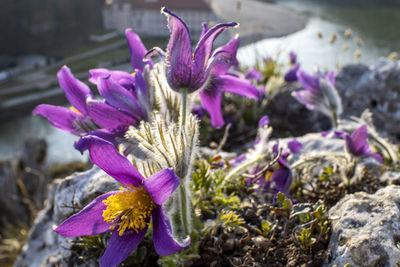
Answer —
258 20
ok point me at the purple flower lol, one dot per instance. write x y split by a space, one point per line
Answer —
319 93
186 69
123 91
127 213
253 74
263 121
293 57
281 176
291 74
222 81
357 144
107 119
295 146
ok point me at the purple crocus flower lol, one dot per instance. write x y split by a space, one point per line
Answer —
253 74
291 74
186 69
199 111
357 144
127 213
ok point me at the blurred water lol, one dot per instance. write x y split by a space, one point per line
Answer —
376 27
60 144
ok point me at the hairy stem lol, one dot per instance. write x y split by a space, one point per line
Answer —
183 108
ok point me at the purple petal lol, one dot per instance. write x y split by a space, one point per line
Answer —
291 74
163 240
102 133
76 91
89 221
358 144
141 94
231 47
123 78
211 101
204 29
306 97
179 52
137 50
60 117
120 247
254 74
109 117
283 179
377 156
338 134
308 81
263 121
204 47
103 154
293 57
331 76
294 146
161 185
325 133
120 98
238 86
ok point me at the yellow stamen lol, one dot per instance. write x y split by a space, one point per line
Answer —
129 209
74 110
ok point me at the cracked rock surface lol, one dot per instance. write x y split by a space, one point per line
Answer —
366 229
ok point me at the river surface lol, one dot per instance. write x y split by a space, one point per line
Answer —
376 26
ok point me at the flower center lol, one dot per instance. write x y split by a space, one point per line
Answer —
129 209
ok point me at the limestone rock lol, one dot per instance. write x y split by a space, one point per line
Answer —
376 87
66 197
366 229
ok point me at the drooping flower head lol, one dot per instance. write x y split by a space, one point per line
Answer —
319 93
128 212
357 144
86 115
187 69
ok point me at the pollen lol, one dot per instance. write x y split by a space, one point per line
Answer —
128 209
74 110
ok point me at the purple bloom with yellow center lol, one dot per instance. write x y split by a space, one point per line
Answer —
357 144
186 69
128 212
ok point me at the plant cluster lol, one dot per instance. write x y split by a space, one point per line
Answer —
144 132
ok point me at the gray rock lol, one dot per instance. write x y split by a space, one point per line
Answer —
366 229
66 197
376 87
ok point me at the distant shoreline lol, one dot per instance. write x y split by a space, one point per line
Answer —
258 20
